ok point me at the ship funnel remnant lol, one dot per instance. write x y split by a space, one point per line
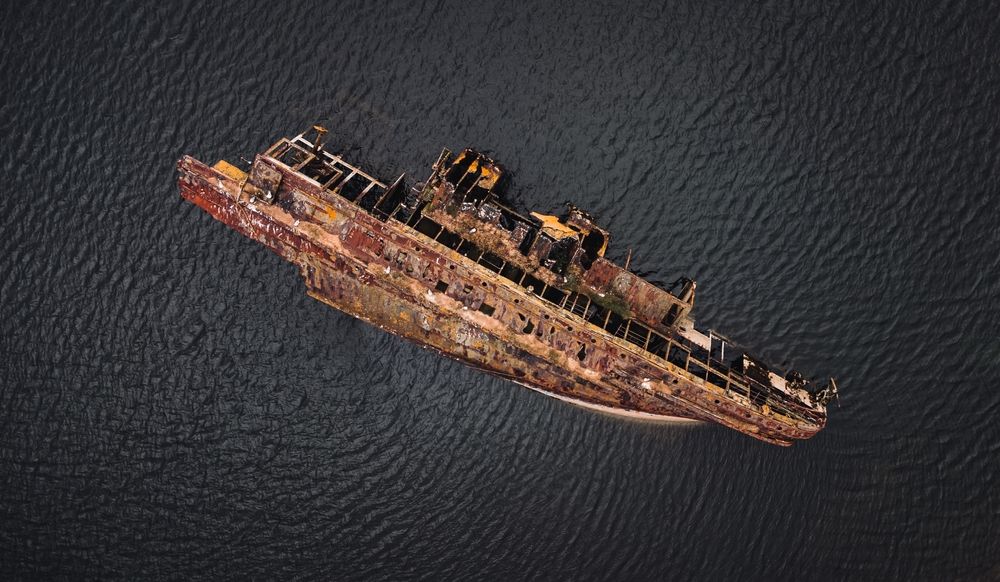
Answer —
531 298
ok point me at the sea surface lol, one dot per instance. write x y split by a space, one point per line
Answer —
174 407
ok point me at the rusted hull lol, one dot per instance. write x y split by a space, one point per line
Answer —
385 274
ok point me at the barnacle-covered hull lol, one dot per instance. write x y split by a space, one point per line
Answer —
378 266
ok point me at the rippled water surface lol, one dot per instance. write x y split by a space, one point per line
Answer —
173 406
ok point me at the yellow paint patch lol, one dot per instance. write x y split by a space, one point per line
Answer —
552 227
230 170
489 177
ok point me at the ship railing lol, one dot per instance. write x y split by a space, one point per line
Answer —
693 359
330 171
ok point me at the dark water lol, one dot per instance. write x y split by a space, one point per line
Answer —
173 406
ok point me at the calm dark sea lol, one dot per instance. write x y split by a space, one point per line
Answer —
173 405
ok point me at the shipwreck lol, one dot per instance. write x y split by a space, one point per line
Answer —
527 297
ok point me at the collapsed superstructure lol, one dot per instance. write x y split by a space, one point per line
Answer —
530 298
